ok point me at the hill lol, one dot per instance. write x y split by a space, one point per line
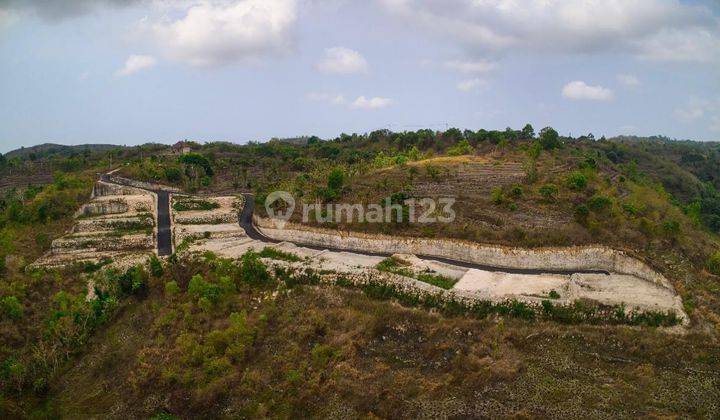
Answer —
46 149
204 336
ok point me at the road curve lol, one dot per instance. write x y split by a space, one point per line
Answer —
246 222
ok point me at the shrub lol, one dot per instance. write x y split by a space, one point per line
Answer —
631 209
463 147
11 307
713 263
156 268
671 228
322 354
437 280
599 203
576 181
252 270
172 288
432 171
195 205
516 192
133 281
173 174
394 265
276 254
646 226
549 191
497 196
201 289
554 295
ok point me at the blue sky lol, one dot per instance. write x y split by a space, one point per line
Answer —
134 71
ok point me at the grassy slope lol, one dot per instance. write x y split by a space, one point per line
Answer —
326 351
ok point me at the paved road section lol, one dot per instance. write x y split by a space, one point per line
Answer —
164 239
164 233
246 223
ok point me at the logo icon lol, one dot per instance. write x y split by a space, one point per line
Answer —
280 206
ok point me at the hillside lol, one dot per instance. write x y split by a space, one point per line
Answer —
247 335
50 149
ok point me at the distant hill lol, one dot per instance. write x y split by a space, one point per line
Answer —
47 149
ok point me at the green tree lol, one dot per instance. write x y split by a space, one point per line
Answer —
549 138
336 179
156 267
528 132
462 148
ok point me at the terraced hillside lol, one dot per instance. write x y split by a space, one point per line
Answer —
117 224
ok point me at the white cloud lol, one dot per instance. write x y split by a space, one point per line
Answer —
653 29
471 85
330 98
135 63
680 45
338 99
579 90
697 109
371 103
700 111
628 80
213 33
689 113
342 60
478 66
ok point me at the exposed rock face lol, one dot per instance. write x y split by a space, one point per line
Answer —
552 259
103 189
101 208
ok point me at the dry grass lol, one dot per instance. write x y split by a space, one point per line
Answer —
324 351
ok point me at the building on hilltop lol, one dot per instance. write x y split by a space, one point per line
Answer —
181 148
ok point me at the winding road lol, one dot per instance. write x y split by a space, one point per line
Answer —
246 222
245 219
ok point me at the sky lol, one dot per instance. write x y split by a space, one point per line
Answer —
137 71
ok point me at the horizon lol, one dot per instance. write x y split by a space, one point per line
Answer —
170 143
